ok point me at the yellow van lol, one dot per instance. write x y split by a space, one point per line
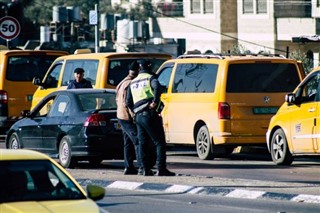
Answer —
220 102
17 70
104 70
294 130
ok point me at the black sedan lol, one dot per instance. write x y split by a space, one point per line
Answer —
72 125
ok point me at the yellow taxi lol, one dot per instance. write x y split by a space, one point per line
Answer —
103 70
33 182
295 130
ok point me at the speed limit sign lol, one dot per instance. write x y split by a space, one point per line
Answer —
9 27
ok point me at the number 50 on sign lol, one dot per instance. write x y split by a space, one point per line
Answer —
9 28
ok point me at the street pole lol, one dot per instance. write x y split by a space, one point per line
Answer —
97 29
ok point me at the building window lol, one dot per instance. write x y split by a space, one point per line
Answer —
207 6
261 6
318 3
195 6
254 6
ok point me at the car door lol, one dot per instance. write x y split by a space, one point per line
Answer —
304 127
164 75
30 129
51 126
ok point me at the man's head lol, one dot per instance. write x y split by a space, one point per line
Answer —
134 68
145 65
78 74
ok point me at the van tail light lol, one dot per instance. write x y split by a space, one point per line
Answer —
3 97
224 110
95 120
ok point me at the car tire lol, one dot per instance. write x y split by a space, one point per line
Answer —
14 141
65 153
279 149
204 144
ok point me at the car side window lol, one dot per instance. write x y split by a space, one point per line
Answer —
164 76
309 91
43 108
53 77
60 106
195 78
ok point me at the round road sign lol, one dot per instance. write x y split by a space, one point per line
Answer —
9 28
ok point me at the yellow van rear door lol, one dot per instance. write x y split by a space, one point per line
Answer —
254 91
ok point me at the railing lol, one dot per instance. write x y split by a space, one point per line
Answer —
170 9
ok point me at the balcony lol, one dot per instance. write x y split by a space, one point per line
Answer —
172 9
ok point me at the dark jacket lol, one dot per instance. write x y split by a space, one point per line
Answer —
82 84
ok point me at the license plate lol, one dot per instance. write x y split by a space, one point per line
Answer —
265 110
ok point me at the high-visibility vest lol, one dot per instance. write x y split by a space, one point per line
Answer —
141 87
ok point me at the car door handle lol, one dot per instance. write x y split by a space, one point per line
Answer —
311 110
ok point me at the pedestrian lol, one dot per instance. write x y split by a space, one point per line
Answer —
125 119
143 98
79 80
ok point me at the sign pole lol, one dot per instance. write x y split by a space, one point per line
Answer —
8 43
96 29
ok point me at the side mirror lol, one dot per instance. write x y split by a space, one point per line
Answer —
37 81
95 192
25 113
290 98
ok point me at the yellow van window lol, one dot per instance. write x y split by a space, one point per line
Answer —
53 77
118 68
90 70
195 78
26 67
262 77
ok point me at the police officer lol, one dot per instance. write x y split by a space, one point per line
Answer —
143 98
129 129
79 80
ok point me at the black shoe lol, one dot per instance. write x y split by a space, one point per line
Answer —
130 171
148 172
165 172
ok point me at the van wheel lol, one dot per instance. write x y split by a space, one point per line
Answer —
203 144
279 149
65 158
14 142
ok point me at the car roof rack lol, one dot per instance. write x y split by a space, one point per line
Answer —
224 55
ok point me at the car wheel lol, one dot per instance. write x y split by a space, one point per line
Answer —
203 144
65 156
14 142
279 149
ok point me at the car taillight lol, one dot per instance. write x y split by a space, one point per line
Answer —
223 110
3 97
95 120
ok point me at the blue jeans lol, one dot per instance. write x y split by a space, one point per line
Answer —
131 143
149 125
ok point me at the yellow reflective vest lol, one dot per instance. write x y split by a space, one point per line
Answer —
141 87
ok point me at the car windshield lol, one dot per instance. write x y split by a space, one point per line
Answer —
93 101
35 180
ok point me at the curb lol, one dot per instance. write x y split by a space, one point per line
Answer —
199 190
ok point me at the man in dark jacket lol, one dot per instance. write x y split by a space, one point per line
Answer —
79 80
143 98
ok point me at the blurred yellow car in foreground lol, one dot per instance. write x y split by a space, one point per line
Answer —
33 182
295 129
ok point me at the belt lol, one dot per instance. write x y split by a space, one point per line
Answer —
147 112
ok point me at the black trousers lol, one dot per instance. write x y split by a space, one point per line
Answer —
150 127
131 143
